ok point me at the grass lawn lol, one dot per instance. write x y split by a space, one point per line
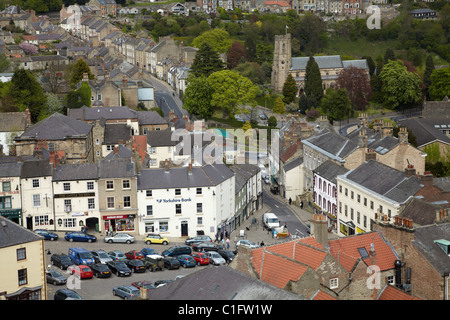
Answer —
358 48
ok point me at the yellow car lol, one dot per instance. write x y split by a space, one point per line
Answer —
156 238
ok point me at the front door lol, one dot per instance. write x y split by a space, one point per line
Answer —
184 229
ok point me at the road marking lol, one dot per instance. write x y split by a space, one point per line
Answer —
276 206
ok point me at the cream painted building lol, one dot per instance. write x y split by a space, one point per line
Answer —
22 271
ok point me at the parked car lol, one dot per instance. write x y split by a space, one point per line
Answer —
117 255
66 294
205 246
247 243
55 277
126 292
136 265
46 234
120 238
177 251
81 256
190 241
161 283
79 236
119 268
82 271
154 262
134 254
101 270
147 251
215 258
101 256
143 284
154 238
61 261
186 261
226 254
171 263
200 258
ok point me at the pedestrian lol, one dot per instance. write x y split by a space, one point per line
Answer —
217 237
262 243
228 243
290 201
223 243
301 204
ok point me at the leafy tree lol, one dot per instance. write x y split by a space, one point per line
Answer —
440 83
26 91
246 126
235 54
218 39
336 104
79 68
272 122
206 61
28 48
357 84
278 106
400 89
303 103
5 63
78 98
157 109
313 83
230 90
197 97
388 55
289 89
371 64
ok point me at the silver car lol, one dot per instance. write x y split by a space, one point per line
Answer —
215 258
120 238
101 256
247 243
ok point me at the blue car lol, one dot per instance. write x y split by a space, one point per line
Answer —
148 251
126 292
186 261
47 235
80 237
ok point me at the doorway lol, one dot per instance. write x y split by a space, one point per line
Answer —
184 229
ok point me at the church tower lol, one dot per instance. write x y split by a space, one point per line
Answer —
282 55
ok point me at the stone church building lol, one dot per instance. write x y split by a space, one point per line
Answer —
284 64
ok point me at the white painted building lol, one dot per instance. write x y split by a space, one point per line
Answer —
185 201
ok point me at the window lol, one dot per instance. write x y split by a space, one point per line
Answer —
21 254
178 208
5 203
109 185
41 221
163 226
148 193
153 150
391 280
91 203
36 200
99 97
199 207
351 213
67 205
22 276
365 202
358 198
178 192
153 162
346 192
199 221
110 202
365 221
358 217
35 183
97 142
149 210
70 222
90 185
126 184
127 201
334 283
371 204
66 186
6 186
351 195
199 191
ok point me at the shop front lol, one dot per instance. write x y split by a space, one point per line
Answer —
119 223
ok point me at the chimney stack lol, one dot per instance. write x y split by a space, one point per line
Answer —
387 129
410 171
319 229
27 111
166 165
124 81
370 154
427 179
403 135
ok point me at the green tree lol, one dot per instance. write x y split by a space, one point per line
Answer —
230 91
440 84
272 122
400 89
313 83
79 68
206 61
388 55
218 39
289 89
278 106
336 104
303 103
26 91
246 126
429 68
197 97
78 98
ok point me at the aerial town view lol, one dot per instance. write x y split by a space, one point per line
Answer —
224 151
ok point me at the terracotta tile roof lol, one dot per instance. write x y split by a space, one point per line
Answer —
345 251
320 295
289 152
269 266
391 293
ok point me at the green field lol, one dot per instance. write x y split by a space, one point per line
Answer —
358 48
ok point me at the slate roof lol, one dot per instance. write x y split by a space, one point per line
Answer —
384 180
123 152
424 242
56 127
324 62
13 234
150 117
10 169
116 168
67 172
36 168
96 113
161 138
13 121
425 130
442 184
421 212
329 170
361 64
221 283
115 132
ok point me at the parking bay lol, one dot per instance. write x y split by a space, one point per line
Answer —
101 288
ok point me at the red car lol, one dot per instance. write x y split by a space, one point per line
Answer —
144 284
82 271
200 258
133 254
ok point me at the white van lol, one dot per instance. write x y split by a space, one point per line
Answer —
270 220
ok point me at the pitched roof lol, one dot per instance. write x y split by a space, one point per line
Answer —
320 295
329 170
109 113
13 121
67 172
324 62
347 251
36 168
12 234
427 130
330 143
116 168
10 169
116 132
161 138
150 117
390 292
